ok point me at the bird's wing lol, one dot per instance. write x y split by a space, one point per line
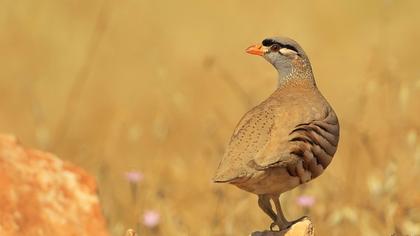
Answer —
250 135
313 140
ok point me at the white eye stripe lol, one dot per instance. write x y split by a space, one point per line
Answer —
286 51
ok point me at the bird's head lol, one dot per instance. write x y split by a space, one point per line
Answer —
285 54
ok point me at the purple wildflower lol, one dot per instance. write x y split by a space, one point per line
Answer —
305 201
134 176
151 218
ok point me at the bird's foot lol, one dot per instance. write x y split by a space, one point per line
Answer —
272 225
284 225
298 220
280 225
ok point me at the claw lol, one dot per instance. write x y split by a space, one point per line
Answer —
272 225
298 220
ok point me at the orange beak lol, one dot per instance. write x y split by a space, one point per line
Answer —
255 49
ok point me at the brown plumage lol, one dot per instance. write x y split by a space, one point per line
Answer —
287 140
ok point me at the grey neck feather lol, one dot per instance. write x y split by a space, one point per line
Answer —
284 69
287 72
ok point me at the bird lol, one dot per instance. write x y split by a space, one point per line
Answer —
288 139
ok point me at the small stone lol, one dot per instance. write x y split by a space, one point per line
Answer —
303 227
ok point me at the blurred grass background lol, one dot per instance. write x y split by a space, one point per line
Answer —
158 86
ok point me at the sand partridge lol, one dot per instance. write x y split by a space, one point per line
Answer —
288 139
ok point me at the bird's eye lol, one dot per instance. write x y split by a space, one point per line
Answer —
275 48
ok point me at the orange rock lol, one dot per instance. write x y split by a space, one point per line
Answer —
43 195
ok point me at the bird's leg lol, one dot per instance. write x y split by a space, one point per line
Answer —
281 221
265 205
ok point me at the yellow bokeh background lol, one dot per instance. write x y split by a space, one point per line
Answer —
158 87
